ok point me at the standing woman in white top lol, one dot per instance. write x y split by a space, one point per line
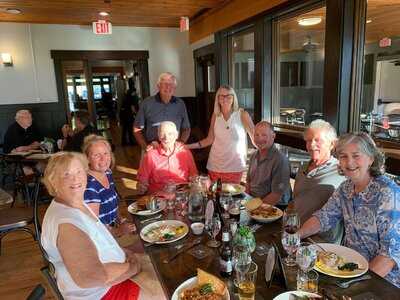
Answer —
228 136
89 263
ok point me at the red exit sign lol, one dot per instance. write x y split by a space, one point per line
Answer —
102 27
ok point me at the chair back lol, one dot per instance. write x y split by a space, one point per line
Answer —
48 270
37 293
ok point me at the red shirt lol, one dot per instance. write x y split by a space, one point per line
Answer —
157 168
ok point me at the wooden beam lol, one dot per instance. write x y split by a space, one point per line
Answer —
231 13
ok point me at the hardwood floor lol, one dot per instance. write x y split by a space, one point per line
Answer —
21 260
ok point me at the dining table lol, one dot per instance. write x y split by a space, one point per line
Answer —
184 266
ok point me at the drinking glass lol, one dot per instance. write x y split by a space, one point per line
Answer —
308 283
290 221
205 182
170 189
290 243
181 200
241 260
247 283
306 256
214 228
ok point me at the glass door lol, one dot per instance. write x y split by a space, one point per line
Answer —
77 93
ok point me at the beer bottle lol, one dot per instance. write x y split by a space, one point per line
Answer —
225 260
217 204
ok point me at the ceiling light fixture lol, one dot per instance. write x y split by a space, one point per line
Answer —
309 21
13 11
104 13
369 21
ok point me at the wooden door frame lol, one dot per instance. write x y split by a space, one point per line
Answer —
88 57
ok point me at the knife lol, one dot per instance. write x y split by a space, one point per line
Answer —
173 256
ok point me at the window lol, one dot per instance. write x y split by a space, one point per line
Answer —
241 69
300 66
380 100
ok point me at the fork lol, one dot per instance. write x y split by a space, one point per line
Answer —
150 219
346 284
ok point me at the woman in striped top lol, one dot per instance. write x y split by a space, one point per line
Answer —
101 195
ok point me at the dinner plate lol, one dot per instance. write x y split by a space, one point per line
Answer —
144 233
286 295
349 255
133 209
233 188
190 283
268 219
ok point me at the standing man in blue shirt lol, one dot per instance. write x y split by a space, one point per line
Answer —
163 106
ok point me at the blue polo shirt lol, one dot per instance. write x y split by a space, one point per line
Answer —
107 198
152 111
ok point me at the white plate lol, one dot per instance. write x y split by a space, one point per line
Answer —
349 255
190 283
133 209
161 223
267 220
286 295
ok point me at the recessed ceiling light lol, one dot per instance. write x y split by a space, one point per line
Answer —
103 13
309 21
13 11
369 21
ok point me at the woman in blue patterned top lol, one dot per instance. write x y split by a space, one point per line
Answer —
369 204
101 195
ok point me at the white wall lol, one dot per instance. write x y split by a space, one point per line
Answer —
32 79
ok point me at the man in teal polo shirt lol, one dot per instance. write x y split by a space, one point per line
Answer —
268 174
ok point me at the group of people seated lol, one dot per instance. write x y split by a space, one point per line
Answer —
342 193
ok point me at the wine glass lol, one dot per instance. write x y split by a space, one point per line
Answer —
241 260
213 228
226 201
291 221
290 243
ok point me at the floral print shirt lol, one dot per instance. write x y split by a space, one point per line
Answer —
371 220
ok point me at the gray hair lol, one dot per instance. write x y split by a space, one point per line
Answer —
167 124
22 112
267 124
167 74
321 124
235 104
367 146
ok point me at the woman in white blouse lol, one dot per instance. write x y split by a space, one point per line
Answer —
89 263
228 136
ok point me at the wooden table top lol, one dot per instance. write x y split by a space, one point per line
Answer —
171 275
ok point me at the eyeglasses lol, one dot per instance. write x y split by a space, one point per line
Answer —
225 96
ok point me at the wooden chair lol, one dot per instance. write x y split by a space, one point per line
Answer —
18 219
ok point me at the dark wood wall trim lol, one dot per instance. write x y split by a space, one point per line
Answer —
98 55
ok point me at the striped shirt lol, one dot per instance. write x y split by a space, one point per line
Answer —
107 198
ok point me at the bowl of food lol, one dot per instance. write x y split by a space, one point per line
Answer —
204 286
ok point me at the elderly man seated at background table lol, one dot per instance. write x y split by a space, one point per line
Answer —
317 180
268 174
21 136
170 162
368 202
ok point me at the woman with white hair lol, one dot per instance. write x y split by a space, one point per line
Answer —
228 137
368 203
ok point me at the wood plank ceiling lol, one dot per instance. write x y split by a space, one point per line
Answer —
142 13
